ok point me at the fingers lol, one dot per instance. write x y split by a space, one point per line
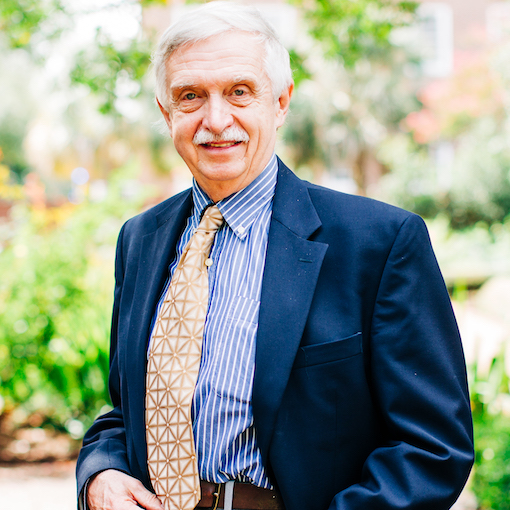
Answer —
114 490
147 499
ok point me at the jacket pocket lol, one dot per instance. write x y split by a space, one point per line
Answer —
327 352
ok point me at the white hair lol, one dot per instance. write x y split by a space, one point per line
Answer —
229 134
216 18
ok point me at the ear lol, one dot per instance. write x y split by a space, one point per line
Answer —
166 116
282 105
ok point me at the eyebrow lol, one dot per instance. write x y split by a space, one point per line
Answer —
181 86
240 78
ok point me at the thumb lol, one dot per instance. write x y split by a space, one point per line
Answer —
147 499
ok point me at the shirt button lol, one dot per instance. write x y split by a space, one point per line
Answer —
241 230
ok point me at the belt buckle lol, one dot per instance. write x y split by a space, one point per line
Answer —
216 496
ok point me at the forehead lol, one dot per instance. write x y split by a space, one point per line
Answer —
222 57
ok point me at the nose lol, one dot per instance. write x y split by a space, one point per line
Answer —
218 115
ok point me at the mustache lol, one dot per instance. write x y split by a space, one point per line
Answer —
230 134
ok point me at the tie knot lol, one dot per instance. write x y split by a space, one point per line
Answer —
212 219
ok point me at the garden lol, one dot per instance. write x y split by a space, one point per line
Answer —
79 155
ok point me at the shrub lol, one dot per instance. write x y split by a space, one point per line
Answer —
56 289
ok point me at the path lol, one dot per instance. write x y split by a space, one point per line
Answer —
47 486
52 487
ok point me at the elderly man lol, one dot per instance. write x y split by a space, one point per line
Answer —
274 344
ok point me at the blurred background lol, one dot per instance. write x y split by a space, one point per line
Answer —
406 102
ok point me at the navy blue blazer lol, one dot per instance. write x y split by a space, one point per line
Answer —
360 398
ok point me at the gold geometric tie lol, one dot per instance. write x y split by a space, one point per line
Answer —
172 371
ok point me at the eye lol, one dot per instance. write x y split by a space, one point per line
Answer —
190 96
238 92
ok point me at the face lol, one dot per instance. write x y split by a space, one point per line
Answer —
222 114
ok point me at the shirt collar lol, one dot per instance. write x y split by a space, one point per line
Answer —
241 209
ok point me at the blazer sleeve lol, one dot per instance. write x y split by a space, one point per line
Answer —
104 445
418 379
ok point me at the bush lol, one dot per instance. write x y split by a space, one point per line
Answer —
491 415
491 481
56 286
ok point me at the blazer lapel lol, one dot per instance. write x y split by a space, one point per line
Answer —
156 252
292 267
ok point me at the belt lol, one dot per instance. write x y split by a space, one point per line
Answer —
246 497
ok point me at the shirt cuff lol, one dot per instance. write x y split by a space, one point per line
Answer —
82 499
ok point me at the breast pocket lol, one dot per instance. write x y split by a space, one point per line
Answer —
328 352
235 353
243 309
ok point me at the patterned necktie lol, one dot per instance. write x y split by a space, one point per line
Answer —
172 371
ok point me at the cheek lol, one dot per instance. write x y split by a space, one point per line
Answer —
264 130
183 131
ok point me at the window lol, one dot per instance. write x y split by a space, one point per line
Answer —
435 37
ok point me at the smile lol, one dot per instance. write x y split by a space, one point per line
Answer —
220 145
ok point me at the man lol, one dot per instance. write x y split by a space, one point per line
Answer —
331 370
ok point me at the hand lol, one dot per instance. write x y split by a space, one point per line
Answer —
114 490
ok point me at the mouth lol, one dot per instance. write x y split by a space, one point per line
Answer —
227 139
220 145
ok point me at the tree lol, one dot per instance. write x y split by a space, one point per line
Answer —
468 114
360 92
350 31
22 20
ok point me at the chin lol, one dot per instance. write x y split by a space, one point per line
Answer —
223 172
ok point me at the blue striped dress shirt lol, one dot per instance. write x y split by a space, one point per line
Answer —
225 438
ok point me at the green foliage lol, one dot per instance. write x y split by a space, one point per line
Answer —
353 30
302 133
103 68
464 117
474 187
361 91
55 305
20 19
411 183
472 254
11 145
491 482
491 413
481 186
298 66
146 3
